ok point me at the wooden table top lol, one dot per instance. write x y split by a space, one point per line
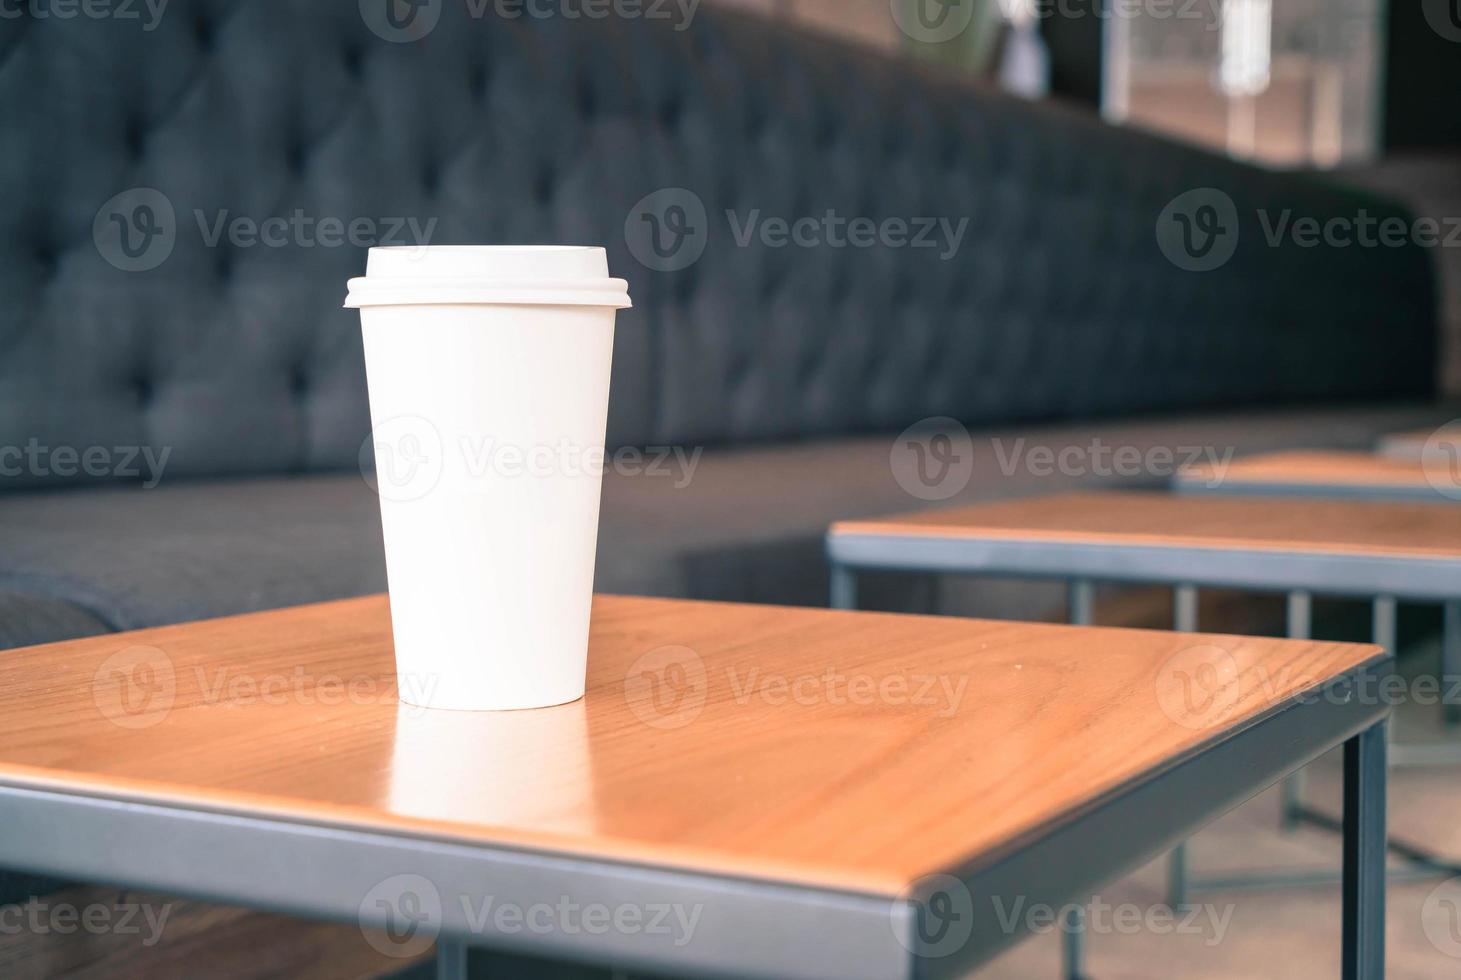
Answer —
854 751
1311 468
1365 528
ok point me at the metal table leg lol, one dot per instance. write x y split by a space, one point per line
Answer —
1384 623
1384 633
1418 754
1075 944
1451 660
1300 627
1080 602
1080 598
1184 620
1421 862
844 587
1365 767
451 960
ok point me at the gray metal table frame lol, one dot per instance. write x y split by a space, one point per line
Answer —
748 927
1300 620
1391 492
1451 630
1081 564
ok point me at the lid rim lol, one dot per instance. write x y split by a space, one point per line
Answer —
558 275
368 292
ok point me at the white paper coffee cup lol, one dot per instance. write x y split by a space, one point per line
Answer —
488 372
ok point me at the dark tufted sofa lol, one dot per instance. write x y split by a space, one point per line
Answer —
792 365
1058 320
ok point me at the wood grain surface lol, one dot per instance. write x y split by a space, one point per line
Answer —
1365 528
1312 468
849 750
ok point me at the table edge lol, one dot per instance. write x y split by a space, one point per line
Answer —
876 928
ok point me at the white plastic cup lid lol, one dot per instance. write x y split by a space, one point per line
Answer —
535 275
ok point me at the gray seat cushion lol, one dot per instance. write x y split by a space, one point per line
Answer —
744 524
27 619
135 557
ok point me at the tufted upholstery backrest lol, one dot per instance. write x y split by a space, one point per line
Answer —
235 357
